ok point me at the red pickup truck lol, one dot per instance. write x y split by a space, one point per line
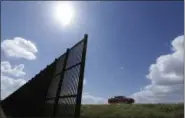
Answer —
120 99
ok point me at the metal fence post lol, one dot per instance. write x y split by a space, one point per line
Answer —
80 83
60 84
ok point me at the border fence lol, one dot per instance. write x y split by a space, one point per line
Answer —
55 92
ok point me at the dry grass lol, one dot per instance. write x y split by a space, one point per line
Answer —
133 111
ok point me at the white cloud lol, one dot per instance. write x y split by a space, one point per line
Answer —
19 48
167 77
8 69
9 85
90 99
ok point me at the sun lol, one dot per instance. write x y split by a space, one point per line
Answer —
63 12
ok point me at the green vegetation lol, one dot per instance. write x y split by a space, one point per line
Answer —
133 111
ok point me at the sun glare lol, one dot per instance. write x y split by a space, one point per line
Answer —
63 13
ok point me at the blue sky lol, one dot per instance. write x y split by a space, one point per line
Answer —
125 38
